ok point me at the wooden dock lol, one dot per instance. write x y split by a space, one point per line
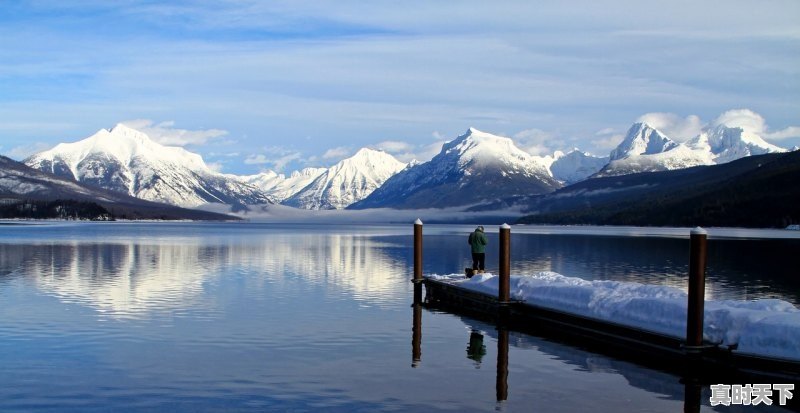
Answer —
708 362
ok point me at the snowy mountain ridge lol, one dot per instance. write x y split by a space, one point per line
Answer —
125 160
471 168
347 182
646 149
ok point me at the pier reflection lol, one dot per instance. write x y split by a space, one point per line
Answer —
690 390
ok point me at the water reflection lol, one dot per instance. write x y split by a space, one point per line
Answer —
131 279
475 348
689 390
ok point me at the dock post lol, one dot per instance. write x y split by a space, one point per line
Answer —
697 289
418 251
505 264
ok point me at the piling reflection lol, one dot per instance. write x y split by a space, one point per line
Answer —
502 364
416 329
692 392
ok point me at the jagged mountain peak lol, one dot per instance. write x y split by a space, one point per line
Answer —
642 139
472 168
478 149
349 181
730 143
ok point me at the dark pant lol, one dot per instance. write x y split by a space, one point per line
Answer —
479 261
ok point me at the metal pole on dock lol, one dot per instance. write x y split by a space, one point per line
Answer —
417 251
505 264
697 288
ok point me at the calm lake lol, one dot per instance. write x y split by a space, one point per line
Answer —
230 317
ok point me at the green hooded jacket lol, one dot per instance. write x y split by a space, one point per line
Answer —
477 240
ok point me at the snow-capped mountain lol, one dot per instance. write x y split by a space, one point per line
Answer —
576 165
280 187
125 160
727 144
472 168
642 139
20 183
645 149
349 181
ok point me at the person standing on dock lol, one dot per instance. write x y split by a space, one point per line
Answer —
477 240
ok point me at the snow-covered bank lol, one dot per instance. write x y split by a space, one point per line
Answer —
763 327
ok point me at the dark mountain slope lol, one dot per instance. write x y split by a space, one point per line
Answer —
757 191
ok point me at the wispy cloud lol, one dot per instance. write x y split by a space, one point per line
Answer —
354 71
336 153
674 126
166 133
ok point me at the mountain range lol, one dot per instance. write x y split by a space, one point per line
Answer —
754 191
646 149
475 170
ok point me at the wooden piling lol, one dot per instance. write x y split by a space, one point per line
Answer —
697 288
504 294
417 251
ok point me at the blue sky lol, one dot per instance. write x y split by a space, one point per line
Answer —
255 85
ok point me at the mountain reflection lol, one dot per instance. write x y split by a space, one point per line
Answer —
131 279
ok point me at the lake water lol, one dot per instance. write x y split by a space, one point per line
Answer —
228 317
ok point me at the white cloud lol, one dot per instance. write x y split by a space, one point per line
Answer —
24 151
394 146
753 122
790 132
538 142
607 139
166 134
215 166
336 153
256 159
742 118
674 126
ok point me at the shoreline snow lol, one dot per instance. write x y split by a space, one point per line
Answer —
767 327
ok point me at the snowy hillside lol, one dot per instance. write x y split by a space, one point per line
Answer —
472 168
576 166
128 161
349 181
280 187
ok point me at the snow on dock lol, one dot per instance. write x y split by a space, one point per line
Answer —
767 327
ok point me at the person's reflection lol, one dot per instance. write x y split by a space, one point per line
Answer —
475 349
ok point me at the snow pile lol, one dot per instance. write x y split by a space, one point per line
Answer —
762 327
